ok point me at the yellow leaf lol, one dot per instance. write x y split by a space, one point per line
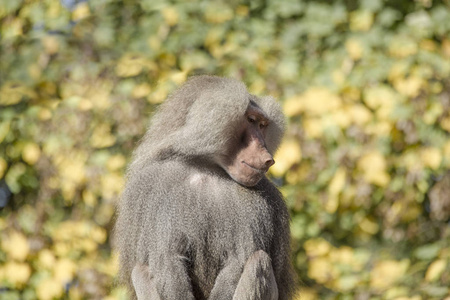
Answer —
141 90
98 234
61 249
321 270
258 86
17 273
64 270
369 226
447 153
409 87
72 169
386 273
89 198
340 118
111 266
399 70
51 44
4 129
380 128
359 114
217 13
346 282
332 203
334 188
13 92
397 293
435 270
242 10
318 100
361 20
159 95
44 114
343 255
402 46
433 112
313 127
35 71
87 245
445 123
85 104
68 191
130 65
111 185
179 77
170 15
49 289
354 49
373 166
15 244
380 97
154 42
3 166
338 77
317 247
46 259
293 106
428 45
431 157
102 137
99 95
76 293
81 11
287 155
12 27
214 36
446 47
31 153
306 293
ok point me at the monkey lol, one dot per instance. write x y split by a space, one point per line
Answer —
198 217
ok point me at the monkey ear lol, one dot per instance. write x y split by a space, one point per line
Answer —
276 128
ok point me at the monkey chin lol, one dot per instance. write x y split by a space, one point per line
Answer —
245 174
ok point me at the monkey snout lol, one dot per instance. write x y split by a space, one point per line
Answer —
269 162
266 159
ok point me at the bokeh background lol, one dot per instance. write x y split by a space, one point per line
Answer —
364 164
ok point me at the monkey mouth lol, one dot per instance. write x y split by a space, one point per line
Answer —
258 170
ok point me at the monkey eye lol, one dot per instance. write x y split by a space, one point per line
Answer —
251 119
263 125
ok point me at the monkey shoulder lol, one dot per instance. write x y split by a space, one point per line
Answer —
157 175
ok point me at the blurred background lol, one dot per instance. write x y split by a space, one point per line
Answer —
364 166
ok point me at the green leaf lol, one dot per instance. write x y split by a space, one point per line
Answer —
427 252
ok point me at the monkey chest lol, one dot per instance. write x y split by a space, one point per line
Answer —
233 227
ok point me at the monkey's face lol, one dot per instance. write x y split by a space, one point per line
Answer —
247 160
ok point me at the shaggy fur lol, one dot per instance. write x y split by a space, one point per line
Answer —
185 218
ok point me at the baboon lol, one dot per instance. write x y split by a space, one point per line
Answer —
198 218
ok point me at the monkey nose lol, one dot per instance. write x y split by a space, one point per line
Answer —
269 163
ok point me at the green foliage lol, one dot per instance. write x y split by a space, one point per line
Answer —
364 166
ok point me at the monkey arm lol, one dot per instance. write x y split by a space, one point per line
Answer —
171 281
152 236
143 283
255 282
226 281
168 263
